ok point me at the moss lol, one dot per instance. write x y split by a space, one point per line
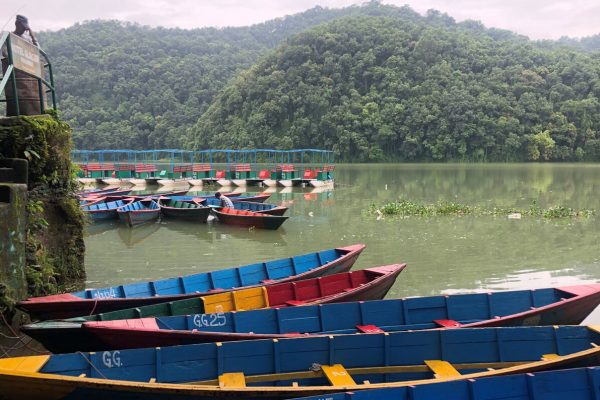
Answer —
54 245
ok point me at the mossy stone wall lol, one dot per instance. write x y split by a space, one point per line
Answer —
54 245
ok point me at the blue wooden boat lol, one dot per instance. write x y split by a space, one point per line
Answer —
107 189
105 208
552 306
139 212
288 269
303 366
571 384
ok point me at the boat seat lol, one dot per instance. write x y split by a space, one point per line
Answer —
337 375
369 329
295 303
442 369
232 379
447 323
547 357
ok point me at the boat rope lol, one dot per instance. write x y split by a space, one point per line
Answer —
94 308
91 364
19 338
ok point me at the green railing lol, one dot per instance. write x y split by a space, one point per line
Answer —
10 75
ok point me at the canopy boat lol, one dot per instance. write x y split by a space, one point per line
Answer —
139 212
68 335
572 384
102 300
188 210
105 208
261 208
552 306
293 367
231 216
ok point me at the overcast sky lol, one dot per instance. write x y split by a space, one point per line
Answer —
538 19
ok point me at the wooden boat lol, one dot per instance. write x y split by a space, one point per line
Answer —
68 335
289 269
105 208
261 208
107 189
261 198
139 212
116 192
551 306
188 210
231 216
302 366
571 384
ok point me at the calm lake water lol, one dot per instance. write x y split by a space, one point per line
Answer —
444 254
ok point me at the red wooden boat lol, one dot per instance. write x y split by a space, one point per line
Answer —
366 284
231 216
102 300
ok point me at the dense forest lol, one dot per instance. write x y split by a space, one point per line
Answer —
373 82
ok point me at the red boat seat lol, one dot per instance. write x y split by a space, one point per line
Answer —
295 303
369 329
447 323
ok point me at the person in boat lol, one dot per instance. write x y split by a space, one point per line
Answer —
224 201
23 30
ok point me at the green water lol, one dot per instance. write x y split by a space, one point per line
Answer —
444 254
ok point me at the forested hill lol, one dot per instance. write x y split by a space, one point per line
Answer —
373 82
130 86
377 88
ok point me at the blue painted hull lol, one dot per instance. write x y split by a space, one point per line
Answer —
396 360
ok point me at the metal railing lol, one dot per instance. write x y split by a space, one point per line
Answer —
10 75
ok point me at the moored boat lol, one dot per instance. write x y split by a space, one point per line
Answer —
101 300
139 212
245 218
572 384
105 208
106 189
261 208
302 366
550 306
187 210
68 335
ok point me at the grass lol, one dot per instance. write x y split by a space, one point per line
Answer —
407 208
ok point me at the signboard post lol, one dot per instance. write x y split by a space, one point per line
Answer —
26 56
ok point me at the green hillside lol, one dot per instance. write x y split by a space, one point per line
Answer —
380 88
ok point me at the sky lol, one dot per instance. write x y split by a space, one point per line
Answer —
538 19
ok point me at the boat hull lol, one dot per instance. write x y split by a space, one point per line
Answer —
137 181
189 214
196 182
68 305
407 358
263 221
138 217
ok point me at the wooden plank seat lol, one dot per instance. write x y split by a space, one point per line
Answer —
101 167
232 379
442 369
183 168
241 168
201 168
145 168
337 375
369 329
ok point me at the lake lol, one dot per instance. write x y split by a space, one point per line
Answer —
444 254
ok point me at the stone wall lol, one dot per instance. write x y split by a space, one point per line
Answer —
54 244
